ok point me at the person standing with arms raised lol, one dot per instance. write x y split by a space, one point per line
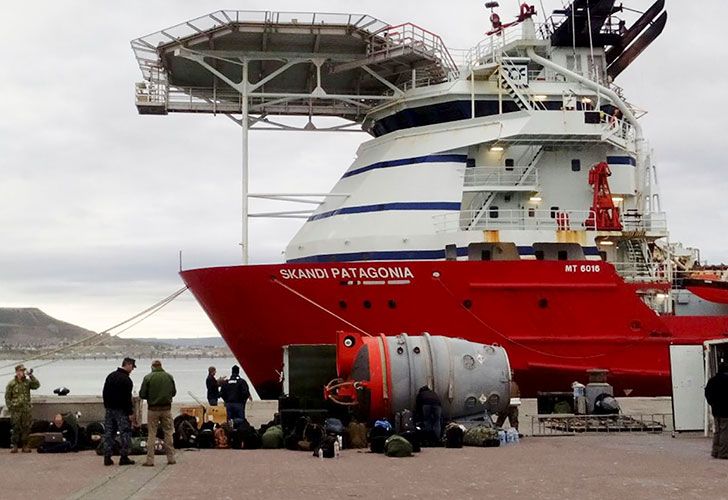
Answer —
213 388
158 389
119 411
17 401
235 392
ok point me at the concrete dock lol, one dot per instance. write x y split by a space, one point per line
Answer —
591 466
638 465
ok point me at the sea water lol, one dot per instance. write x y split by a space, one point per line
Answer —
85 377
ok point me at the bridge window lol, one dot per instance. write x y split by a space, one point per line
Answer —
493 212
532 212
562 255
575 165
510 163
539 254
554 211
470 163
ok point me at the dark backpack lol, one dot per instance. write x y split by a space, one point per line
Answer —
356 434
414 440
313 435
206 438
296 435
404 422
454 434
334 426
185 432
327 447
377 436
251 439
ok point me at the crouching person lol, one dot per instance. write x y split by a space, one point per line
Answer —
68 437
158 389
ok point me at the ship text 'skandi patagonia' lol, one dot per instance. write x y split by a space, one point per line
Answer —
506 195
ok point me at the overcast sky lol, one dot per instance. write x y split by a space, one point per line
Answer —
96 201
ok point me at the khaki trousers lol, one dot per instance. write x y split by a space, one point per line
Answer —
155 418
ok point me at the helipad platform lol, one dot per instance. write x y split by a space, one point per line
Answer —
285 63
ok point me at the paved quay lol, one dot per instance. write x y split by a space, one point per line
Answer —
594 466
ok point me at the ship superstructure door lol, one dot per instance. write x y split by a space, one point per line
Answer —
687 374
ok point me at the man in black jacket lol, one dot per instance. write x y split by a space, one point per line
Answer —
235 392
716 393
117 401
213 388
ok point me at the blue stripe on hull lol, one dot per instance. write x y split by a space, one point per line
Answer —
384 207
404 255
449 158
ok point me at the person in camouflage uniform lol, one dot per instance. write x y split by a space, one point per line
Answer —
17 401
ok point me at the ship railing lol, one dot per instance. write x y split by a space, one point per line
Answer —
496 219
490 49
390 40
650 222
640 271
500 177
617 128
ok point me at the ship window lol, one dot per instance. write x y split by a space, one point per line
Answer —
562 255
510 163
539 254
342 304
575 165
554 211
573 63
392 304
367 304
467 303
532 212
451 252
485 255
493 212
507 198
470 163
543 303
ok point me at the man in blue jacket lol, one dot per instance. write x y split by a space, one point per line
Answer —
235 392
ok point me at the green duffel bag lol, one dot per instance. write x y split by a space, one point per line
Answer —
397 446
480 435
272 438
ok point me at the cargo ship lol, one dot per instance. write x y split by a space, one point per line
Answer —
506 195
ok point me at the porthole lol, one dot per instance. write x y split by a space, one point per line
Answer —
416 350
349 341
543 303
342 304
400 350
392 304
367 304
467 303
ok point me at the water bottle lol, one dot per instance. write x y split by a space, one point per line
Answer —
337 449
321 453
502 437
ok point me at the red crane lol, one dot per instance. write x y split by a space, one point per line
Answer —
604 215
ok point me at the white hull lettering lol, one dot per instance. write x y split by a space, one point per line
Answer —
348 273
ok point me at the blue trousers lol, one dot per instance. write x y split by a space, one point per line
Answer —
235 410
117 420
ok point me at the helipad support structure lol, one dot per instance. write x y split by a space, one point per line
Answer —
265 64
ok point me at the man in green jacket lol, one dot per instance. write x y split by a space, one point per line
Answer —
158 389
17 401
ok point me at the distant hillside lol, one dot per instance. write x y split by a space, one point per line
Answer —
187 342
31 326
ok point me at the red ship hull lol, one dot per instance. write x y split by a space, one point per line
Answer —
555 318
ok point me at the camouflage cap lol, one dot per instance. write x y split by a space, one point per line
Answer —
20 367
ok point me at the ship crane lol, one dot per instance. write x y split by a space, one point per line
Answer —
604 214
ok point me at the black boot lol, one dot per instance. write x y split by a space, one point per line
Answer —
108 461
126 461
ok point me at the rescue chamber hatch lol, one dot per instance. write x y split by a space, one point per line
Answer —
382 375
